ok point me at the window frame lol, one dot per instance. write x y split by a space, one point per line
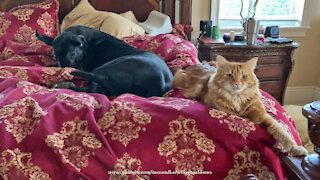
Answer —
287 31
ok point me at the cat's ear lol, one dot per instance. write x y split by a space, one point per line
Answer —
252 62
221 61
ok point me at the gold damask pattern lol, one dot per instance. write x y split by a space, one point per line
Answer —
45 22
4 24
15 164
23 14
269 105
30 88
173 38
18 57
180 61
24 34
179 48
176 103
141 38
235 123
75 143
21 117
249 161
6 53
125 164
48 61
153 45
5 73
124 121
217 114
52 75
45 6
79 101
20 72
185 146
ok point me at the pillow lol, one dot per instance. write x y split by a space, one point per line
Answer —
129 15
17 26
108 22
157 23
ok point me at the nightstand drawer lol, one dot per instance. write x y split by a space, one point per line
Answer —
271 59
242 58
269 72
273 88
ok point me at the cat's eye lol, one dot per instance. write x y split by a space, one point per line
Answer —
230 75
244 76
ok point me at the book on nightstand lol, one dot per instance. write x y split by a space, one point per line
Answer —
211 41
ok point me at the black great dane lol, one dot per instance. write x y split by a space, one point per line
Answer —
112 66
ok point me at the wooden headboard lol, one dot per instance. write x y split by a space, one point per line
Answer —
178 10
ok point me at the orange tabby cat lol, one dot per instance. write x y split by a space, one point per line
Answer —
233 88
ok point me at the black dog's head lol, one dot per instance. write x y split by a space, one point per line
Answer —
68 48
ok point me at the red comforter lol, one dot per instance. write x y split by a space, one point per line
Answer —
61 134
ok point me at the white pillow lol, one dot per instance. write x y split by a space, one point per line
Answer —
157 23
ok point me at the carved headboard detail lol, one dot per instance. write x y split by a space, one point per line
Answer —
178 10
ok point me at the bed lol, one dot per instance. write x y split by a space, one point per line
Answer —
49 133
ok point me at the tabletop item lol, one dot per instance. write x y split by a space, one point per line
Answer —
272 31
226 37
205 28
279 40
232 35
215 32
260 39
252 30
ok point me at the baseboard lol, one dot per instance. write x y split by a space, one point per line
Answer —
301 94
317 93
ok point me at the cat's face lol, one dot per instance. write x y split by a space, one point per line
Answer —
236 77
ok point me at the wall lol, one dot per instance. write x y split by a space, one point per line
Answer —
306 71
200 11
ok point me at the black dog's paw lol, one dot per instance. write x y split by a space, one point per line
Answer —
63 85
73 73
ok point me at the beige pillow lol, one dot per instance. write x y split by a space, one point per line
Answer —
129 15
108 22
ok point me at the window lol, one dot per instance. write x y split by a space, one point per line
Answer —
284 13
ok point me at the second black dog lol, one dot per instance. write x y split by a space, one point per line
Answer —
112 66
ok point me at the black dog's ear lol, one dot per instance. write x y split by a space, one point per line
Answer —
46 39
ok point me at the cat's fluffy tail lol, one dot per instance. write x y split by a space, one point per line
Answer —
179 79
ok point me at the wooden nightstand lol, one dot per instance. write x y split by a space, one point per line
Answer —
307 168
274 65
294 168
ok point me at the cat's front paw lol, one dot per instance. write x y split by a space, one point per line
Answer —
298 151
291 147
